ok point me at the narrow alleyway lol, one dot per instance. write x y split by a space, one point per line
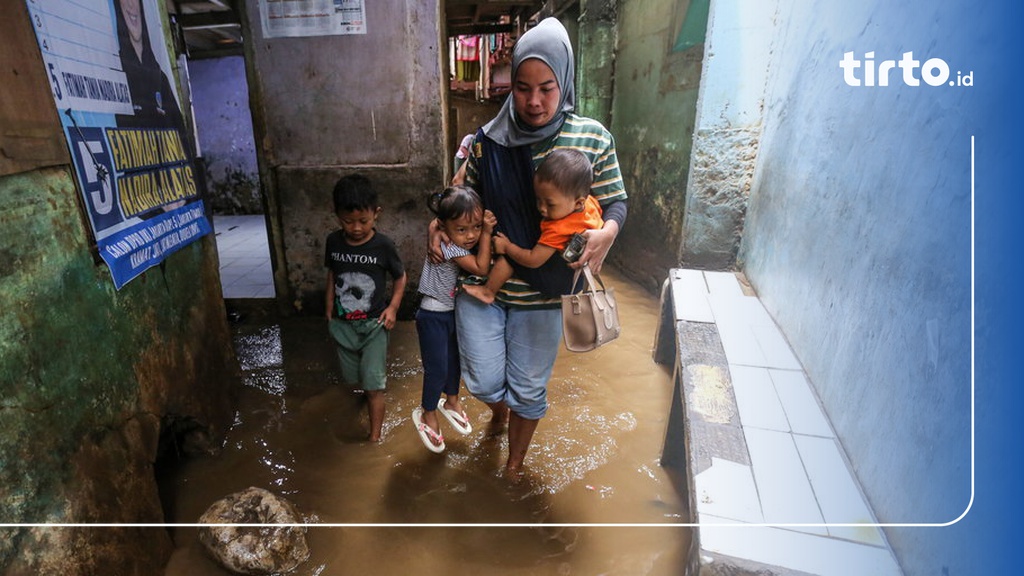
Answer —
595 460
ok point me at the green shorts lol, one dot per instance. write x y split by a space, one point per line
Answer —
362 352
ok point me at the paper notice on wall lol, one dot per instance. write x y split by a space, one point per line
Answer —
283 18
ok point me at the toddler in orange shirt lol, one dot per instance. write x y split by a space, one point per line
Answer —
562 185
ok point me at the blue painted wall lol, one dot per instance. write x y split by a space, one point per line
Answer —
858 241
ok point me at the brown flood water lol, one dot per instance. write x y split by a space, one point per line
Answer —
594 459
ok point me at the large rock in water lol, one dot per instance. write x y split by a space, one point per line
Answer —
256 550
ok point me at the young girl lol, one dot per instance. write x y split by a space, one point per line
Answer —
467 225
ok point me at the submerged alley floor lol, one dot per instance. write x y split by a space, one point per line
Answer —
745 443
595 461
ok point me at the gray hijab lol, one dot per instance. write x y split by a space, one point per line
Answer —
548 42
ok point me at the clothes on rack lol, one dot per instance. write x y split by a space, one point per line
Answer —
484 60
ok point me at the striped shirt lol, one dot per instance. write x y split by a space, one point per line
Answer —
437 281
592 139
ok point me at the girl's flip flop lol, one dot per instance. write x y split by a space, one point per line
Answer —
427 434
458 420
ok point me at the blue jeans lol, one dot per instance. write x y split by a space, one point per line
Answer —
508 353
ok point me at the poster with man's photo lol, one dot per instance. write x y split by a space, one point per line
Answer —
112 84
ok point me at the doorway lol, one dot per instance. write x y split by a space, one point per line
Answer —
220 100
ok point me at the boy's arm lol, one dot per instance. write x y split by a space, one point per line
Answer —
531 258
329 304
390 314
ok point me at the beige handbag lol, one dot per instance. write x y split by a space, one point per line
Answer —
590 317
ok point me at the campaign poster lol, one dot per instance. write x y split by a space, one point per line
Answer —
110 76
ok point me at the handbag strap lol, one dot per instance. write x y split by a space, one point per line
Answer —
591 279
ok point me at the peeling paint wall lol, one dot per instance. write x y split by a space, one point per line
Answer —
93 381
327 106
595 56
653 115
729 127
96 385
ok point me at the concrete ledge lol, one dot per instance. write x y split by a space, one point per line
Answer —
769 485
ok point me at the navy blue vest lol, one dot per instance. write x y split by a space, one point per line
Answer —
506 188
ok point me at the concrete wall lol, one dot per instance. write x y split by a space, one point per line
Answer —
220 101
97 384
595 59
653 115
328 106
858 241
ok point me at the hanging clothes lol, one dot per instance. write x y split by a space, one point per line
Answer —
467 57
469 48
499 66
452 67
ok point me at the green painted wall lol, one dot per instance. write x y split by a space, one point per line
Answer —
595 59
97 385
652 118
95 382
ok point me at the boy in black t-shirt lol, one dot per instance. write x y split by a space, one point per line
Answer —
359 260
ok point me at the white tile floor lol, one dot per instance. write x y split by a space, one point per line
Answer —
245 270
796 550
797 472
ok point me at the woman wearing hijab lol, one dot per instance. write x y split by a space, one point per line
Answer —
508 348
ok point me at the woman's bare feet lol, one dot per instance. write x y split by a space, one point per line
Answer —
499 419
520 433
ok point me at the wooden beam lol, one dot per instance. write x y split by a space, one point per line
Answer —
234 50
201 20
474 29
